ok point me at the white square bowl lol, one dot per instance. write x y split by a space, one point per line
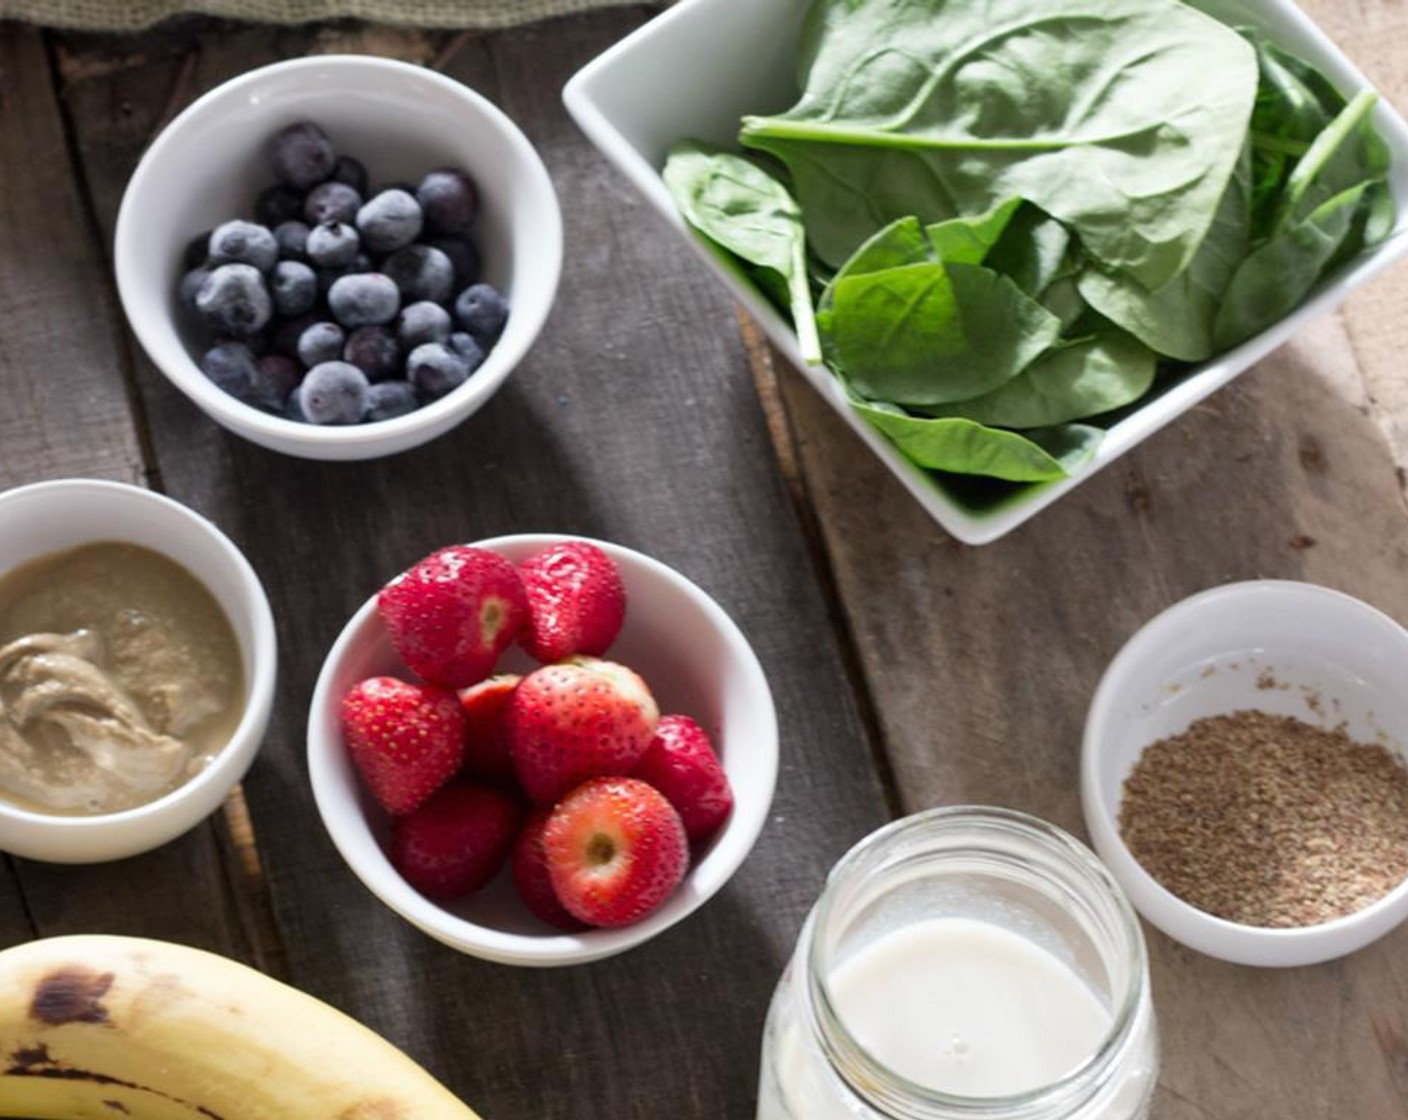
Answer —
699 68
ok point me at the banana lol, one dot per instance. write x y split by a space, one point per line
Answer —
118 1027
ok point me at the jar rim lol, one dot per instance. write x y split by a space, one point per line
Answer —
838 1042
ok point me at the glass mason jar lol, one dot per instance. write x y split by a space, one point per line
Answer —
993 866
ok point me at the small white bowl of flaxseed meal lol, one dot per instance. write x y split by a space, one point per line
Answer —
1243 772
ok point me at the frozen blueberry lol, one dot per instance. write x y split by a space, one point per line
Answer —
364 299
231 365
463 255
389 399
244 243
482 310
234 301
294 288
196 251
301 155
292 238
283 338
331 202
322 342
350 171
389 221
333 245
278 204
468 348
421 323
449 199
435 369
373 350
190 285
275 377
333 393
421 272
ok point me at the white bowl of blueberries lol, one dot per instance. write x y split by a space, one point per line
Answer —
339 257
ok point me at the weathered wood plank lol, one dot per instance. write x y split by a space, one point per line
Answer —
66 411
633 419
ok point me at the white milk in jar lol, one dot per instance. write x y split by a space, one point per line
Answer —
964 962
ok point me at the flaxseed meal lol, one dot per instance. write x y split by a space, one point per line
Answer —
1268 821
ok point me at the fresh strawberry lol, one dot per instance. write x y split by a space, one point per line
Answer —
576 601
680 762
407 740
615 850
457 841
487 753
582 718
453 614
530 874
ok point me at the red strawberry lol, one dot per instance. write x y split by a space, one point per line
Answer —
486 742
454 613
576 601
583 718
681 764
530 874
407 740
457 841
615 850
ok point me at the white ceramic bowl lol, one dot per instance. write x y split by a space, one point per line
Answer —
698 68
50 517
696 662
208 166
1282 647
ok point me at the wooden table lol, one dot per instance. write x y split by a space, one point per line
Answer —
908 670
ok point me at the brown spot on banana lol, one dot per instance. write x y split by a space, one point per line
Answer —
375 1108
71 995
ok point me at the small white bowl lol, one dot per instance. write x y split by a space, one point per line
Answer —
401 121
696 69
50 517
696 662
1282 647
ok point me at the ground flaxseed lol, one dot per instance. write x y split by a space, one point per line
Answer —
1268 821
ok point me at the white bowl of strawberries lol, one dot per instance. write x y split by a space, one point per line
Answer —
542 750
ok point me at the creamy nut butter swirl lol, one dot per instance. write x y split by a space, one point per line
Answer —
120 678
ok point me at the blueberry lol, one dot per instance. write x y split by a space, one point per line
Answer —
278 204
275 377
283 338
331 202
294 408
449 199
190 285
364 299
292 238
322 342
435 369
294 288
196 251
463 255
389 221
234 301
388 399
350 171
231 365
421 323
373 350
301 155
333 245
482 310
421 272
333 393
244 243
468 348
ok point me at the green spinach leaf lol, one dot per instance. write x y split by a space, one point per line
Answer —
737 205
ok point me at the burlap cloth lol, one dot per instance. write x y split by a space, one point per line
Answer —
130 15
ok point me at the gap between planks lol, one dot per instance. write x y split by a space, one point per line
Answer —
763 365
